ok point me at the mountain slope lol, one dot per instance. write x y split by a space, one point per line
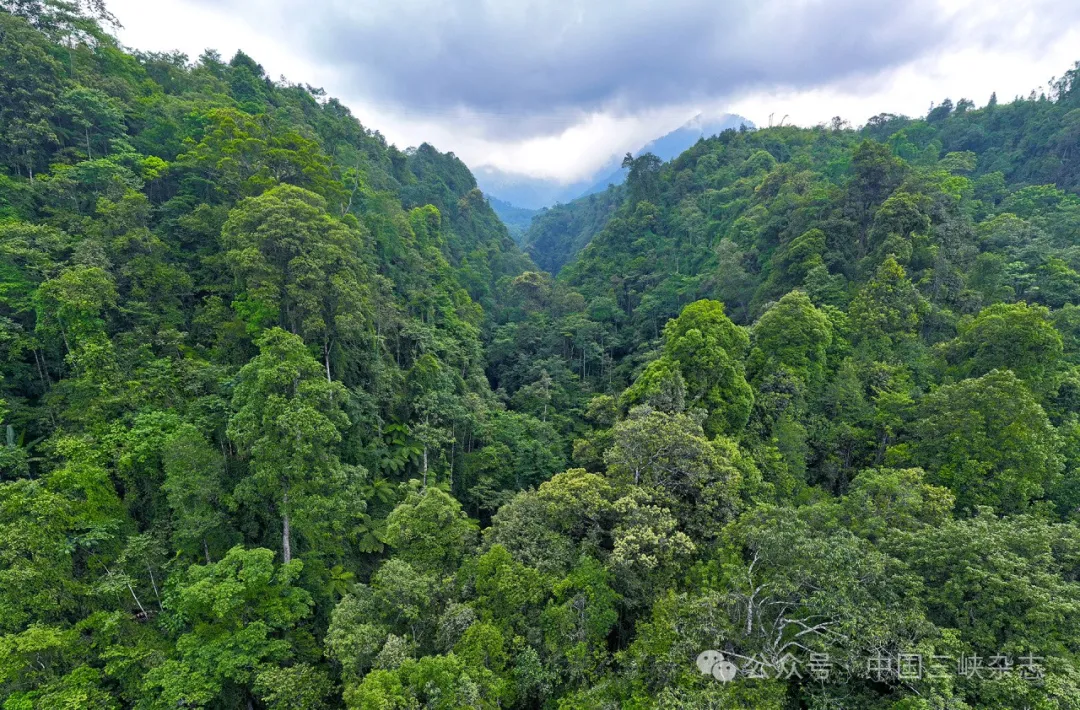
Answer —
516 219
837 366
536 193
669 146
718 206
557 234
288 421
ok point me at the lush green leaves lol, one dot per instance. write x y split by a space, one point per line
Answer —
285 416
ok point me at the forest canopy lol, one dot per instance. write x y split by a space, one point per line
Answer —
288 420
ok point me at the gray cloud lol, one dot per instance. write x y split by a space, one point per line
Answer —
552 60
531 67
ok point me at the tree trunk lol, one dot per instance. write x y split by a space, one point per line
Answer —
130 589
63 335
153 583
425 465
41 372
453 449
326 359
286 545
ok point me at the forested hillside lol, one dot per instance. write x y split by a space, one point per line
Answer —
668 146
557 234
874 332
516 219
288 421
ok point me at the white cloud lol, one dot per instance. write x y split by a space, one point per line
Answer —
1011 65
980 47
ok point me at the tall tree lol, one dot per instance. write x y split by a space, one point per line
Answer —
299 269
988 441
288 418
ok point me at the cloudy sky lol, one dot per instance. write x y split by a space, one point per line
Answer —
553 88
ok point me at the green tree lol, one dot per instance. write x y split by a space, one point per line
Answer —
288 418
508 593
32 78
792 335
660 386
578 620
642 176
73 305
195 487
430 531
93 117
881 500
437 682
299 687
1004 336
708 350
998 581
887 311
237 618
300 269
988 441
670 454
36 564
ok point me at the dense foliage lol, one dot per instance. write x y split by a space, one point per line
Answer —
516 219
290 422
556 234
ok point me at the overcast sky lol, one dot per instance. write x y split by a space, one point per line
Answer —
553 88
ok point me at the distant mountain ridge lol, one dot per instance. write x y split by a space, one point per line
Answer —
555 235
523 192
669 146
516 219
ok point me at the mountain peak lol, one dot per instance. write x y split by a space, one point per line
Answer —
670 145
537 193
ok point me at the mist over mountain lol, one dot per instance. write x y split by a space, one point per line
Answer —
534 193
669 146
553 236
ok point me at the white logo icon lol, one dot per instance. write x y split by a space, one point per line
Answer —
713 663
